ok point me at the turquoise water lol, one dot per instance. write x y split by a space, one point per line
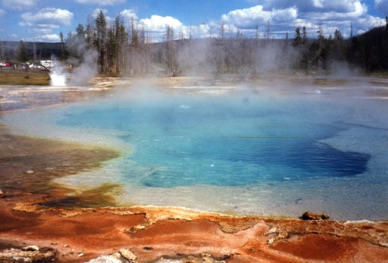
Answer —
224 142
250 152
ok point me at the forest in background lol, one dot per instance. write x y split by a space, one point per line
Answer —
117 50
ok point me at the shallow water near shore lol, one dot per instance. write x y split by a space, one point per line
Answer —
248 150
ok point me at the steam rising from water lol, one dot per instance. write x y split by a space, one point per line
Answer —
79 73
86 70
58 75
57 79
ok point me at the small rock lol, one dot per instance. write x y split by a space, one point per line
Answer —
28 254
30 248
136 228
128 255
1 193
313 216
163 260
271 240
29 172
105 259
272 230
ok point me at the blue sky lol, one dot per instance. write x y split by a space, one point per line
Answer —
44 20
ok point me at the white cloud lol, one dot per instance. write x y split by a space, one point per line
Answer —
280 16
342 6
318 3
19 4
358 12
45 21
159 23
2 12
43 31
382 5
156 27
44 34
301 5
371 21
246 17
49 38
47 16
97 11
101 2
202 30
284 15
45 28
257 15
128 14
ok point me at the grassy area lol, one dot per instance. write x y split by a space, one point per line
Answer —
9 77
378 74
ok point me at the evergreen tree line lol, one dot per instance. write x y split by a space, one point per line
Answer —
119 52
122 52
368 51
125 51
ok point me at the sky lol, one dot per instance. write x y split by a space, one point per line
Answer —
44 20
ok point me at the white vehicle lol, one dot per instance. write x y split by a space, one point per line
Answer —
47 63
37 66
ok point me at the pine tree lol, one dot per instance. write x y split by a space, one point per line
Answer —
122 41
134 34
170 50
80 33
90 33
298 38
22 52
62 45
304 36
101 41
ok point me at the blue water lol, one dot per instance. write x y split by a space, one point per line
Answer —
275 151
225 140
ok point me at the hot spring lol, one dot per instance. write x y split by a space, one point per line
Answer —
246 150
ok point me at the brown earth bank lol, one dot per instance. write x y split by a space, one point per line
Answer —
42 222
149 234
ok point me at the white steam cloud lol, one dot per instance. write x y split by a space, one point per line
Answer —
86 70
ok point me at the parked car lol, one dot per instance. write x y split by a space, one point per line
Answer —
37 66
5 64
49 64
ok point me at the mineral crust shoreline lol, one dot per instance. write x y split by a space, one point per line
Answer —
153 233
